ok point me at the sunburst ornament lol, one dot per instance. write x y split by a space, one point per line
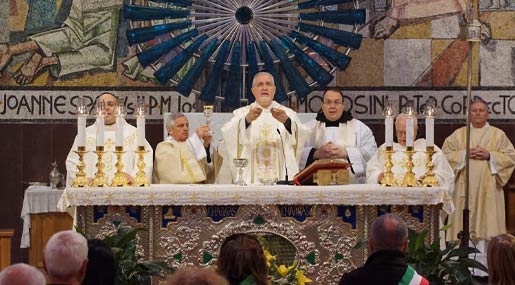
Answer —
234 39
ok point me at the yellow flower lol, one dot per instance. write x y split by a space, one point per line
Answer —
283 270
301 278
269 257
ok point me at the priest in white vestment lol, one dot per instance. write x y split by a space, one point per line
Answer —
336 134
183 160
492 160
266 133
129 158
442 169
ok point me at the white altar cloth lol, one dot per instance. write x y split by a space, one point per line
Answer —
220 194
37 199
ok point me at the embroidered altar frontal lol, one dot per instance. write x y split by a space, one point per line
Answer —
317 225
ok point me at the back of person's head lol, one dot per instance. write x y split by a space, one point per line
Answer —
241 256
66 256
101 264
21 274
388 232
197 277
501 260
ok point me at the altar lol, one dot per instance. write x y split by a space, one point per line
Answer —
186 224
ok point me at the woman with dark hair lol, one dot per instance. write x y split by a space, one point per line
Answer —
242 259
101 264
501 260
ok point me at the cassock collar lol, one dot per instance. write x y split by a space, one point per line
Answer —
346 116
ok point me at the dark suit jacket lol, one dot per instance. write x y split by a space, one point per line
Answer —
384 267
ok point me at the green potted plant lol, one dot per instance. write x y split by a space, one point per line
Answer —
132 270
450 265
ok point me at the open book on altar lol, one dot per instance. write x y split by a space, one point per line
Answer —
324 172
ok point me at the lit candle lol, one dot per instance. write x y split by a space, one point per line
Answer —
430 131
388 130
81 130
410 131
100 130
119 130
140 123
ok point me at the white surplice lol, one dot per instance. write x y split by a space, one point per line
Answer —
354 135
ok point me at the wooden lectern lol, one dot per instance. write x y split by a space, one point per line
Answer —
324 172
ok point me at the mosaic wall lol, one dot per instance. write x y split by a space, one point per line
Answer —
407 44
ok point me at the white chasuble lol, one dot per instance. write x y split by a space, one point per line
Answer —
129 158
442 170
270 149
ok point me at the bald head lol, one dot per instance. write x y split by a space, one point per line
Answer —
400 128
66 256
388 232
21 274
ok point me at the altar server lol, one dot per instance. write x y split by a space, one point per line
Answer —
336 134
180 159
266 133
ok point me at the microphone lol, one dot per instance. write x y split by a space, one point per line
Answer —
284 182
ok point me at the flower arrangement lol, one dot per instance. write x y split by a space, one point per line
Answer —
282 274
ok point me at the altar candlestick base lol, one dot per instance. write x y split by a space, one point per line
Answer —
80 179
141 177
119 179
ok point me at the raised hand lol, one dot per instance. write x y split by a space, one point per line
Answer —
253 114
279 114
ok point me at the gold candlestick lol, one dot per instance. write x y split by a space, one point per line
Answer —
100 179
80 179
409 179
430 179
119 179
388 178
141 177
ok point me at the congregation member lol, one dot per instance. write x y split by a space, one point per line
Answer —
266 133
101 264
130 141
501 260
492 160
242 260
388 242
197 277
66 258
182 159
337 135
21 274
376 164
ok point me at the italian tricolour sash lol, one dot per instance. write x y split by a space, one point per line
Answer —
411 277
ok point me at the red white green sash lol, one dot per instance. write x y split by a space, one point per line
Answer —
411 277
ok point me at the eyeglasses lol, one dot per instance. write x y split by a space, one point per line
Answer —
330 103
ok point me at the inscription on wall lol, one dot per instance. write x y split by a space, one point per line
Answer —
366 105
